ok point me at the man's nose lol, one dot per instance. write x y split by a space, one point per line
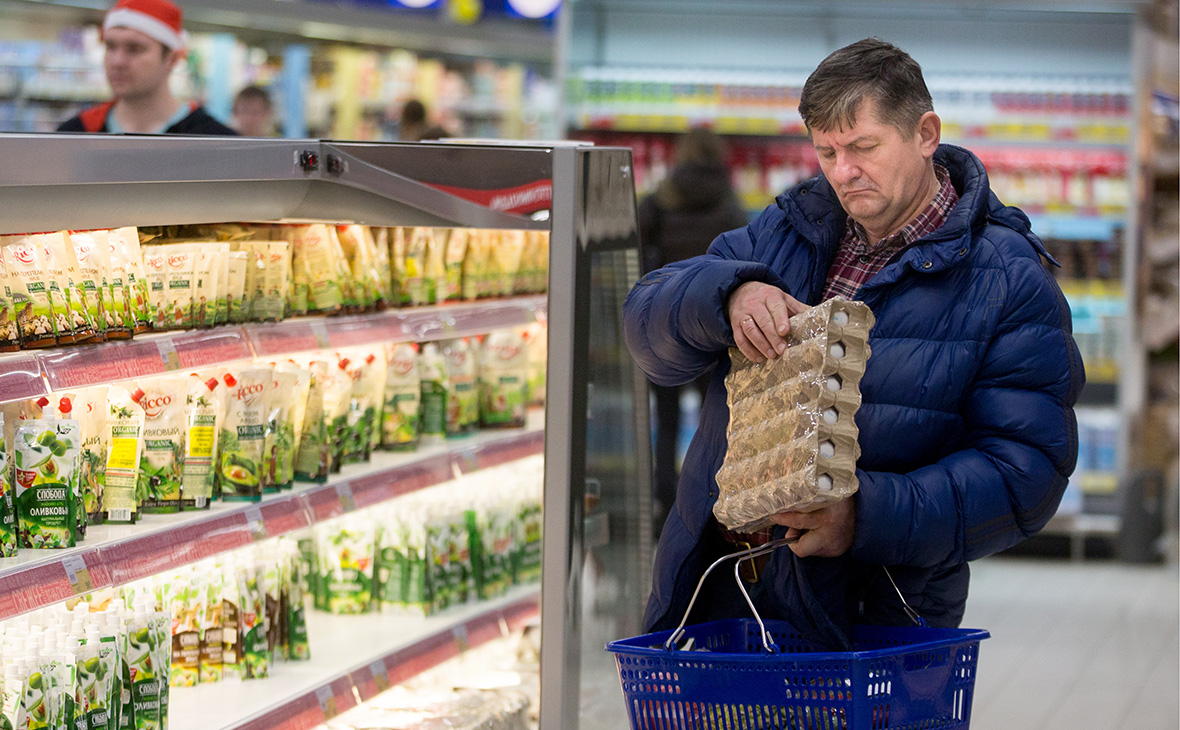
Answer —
845 170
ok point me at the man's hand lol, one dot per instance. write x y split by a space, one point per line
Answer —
758 314
829 530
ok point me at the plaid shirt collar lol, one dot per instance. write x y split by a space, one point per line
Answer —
925 223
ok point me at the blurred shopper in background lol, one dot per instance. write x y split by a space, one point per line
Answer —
412 124
691 207
967 428
254 112
144 41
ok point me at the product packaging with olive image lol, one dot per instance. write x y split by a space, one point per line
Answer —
399 417
96 664
243 434
9 333
231 638
145 680
161 464
313 456
212 649
252 623
90 409
7 503
162 655
186 599
24 262
12 710
46 457
200 443
125 438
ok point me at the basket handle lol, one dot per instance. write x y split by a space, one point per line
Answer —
751 553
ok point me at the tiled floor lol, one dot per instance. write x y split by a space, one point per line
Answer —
1076 646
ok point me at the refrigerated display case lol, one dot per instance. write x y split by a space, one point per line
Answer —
596 478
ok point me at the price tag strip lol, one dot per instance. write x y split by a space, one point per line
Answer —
77 574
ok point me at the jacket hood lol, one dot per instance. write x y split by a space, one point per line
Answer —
695 186
812 206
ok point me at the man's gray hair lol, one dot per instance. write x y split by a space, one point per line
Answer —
872 69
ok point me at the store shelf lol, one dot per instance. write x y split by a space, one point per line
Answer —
31 374
352 658
1077 227
116 554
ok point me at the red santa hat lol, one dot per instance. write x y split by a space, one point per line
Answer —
157 19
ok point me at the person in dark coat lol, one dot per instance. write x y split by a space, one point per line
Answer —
690 208
144 41
967 429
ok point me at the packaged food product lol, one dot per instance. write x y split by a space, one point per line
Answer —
536 338
315 252
181 268
350 287
257 252
231 614
503 378
8 522
83 312
68 315
243 433
463 394
89 408
403 394
277 278
346 550
202 409
792 435
117 305
359 250
185 600
221 254
206 275
435 389
29 283
145 682
436 268
313 459
280 444
507 254
488 277
137 292
398 275
295 618
451 288
155 268
381 243
46 455
9 332
252 624
418 281
89 248
235 294
125 436
161 467
297 300
474 263
212 648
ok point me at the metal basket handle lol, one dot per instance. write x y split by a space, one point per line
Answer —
751 553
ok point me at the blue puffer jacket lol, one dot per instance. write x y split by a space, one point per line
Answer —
967 429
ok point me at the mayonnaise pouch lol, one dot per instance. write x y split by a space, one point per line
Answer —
90 253
388 297
463 395
398 282
156 270
181 268
9 332
418 282
316 253
243 434
235 295
503 378
507 255
185 599
337 401
46 453
277 278
297 301
403 396
69 309
456 252
28 279
278 464
200 443
137 292
435 389
117 306
163 402
8 522
90 410
221 255
206 272
313 458
125 436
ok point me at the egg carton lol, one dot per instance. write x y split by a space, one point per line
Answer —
792 429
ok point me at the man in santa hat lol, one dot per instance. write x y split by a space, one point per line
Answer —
144 41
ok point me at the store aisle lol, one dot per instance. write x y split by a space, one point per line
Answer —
1075 646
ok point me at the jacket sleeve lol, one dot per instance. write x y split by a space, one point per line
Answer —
1021 444
674 319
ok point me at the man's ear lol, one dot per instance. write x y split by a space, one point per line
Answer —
175 57
929 133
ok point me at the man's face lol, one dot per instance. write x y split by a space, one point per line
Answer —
136 66
878 172
252 117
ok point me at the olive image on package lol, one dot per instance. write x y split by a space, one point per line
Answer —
792 432
47 460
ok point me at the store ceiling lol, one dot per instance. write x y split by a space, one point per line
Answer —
866 7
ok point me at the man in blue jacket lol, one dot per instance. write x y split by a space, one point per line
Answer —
967 430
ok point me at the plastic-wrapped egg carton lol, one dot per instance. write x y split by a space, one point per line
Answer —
792 433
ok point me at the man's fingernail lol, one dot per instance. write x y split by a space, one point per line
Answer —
781 347
782 329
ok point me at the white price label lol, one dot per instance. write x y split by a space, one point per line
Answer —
255 523
344 494
320 332
77 574
327 700
380 675
168 354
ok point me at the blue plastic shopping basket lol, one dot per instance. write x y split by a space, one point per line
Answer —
750 674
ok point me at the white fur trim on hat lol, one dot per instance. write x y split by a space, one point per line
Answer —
146 24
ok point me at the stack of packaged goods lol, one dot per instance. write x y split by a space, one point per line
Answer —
456 544
70 287
99 667
172 443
